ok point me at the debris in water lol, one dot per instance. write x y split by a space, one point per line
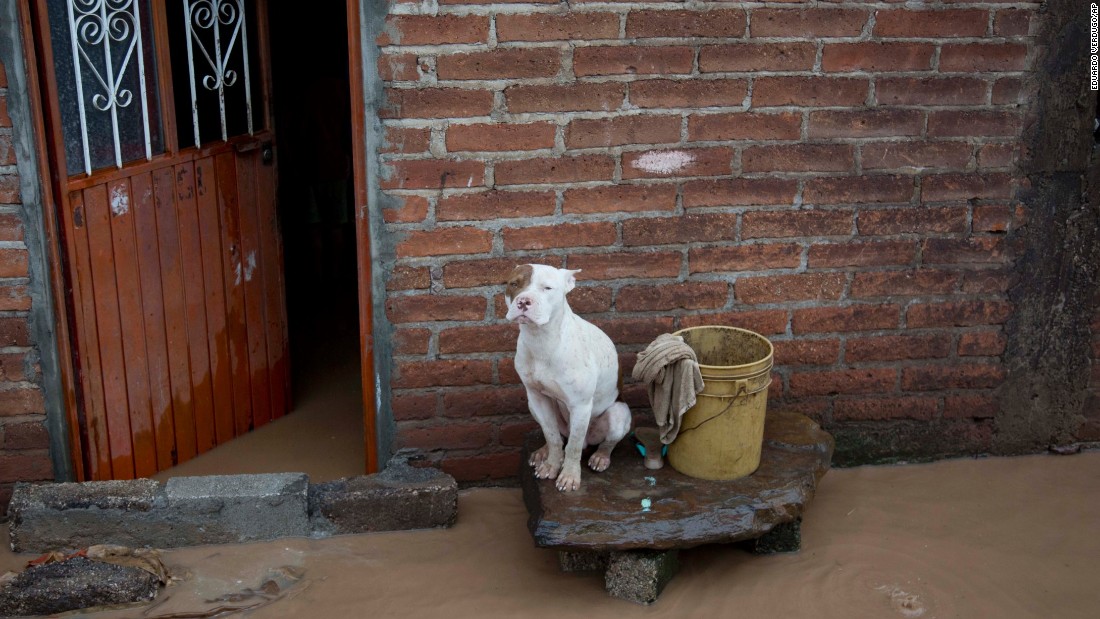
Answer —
652 480
646 504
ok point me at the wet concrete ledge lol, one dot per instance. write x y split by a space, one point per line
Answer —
220 509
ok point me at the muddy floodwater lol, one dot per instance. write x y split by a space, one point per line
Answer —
998 538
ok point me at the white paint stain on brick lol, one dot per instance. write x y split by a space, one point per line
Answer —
664 162
120 200
250 266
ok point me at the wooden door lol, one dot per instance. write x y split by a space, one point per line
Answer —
164 170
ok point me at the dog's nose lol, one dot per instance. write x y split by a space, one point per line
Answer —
523 303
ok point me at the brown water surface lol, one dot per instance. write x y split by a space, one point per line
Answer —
1000 538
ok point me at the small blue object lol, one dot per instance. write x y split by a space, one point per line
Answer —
646 504
641 448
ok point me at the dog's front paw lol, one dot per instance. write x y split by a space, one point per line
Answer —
570 478
539 456
547 469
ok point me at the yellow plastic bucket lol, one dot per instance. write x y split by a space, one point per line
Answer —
721 436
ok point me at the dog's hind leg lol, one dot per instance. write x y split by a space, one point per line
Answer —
607 430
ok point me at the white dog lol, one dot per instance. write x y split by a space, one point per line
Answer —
571 372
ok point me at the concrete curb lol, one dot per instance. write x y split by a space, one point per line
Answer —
220 509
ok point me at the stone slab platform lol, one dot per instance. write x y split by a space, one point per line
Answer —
629 507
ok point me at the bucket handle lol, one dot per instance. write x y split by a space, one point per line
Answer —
742 389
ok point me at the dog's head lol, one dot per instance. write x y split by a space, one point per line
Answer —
536 291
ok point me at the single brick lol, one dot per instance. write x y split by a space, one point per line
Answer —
620 198
691 228
982 344
688 93
911 283
620 130
555 170
744 126
795 56
418 374
778 224
411 341
620 265
744 258
501 63
445 241
957 314
809 91
495 205
398 67
786 288
844 319
632 60
452 435
912 220
686 295
979 123
500 137
835 382
880 409
962 376
865 123
808 23
680 24
799 158
432 174
584 97
897 347
908 23
557 26
486 402
930 91
406 209
406 139
858 189
975 250
915 155
590 234
975 57
492 338
436 103
404 277
482 467
740 192
432 307
806 352
878 57
885 253
966 186
434 29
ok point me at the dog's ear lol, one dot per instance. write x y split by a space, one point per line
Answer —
570 278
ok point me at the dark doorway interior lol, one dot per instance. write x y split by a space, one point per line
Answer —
313 122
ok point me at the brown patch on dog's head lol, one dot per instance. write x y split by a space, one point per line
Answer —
518 280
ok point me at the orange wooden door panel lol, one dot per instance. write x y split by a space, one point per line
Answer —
173 267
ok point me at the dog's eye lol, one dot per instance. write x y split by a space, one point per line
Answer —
547 288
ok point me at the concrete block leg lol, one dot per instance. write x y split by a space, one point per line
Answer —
640 575
786 537
582 561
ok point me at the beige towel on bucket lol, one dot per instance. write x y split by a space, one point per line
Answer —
670 370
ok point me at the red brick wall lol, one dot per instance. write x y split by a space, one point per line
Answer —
24 443
847 188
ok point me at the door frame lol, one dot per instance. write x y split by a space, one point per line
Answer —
362 231
64 417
